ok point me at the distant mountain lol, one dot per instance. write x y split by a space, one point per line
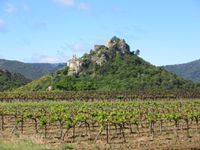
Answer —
189 71
29 70
110 67
10 81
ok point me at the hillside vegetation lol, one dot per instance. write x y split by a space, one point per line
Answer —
10 81
29 70
189 71
111 67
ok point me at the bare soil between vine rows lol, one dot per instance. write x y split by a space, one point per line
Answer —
167 139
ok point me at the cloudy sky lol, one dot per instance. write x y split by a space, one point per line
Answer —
166 32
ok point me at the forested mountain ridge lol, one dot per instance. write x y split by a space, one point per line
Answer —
9 81
189 71
29 70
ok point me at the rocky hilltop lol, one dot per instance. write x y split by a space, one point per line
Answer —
99 56
112 66
102 53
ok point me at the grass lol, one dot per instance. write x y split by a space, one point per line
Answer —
28 145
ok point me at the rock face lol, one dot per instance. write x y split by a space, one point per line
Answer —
102 53
99 55
74 65
119 45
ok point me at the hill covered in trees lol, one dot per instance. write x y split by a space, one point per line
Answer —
189 71
9 81
110 67
29 70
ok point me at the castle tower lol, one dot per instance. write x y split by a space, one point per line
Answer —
74 57
74 65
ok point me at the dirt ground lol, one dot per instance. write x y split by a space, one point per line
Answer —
168 139
144 141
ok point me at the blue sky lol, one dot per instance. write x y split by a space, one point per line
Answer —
166 32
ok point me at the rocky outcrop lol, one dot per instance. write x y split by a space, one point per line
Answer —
114 46
118 45
99 55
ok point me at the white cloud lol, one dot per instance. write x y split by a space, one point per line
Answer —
78 47
2 26
83 6
10 8
71 3
43 58
65 2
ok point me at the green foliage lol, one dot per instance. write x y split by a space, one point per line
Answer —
29 145
10 81
23 145
128 73
41 84
29 70
105 115
189 71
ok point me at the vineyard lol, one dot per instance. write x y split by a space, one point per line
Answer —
99 95
70 122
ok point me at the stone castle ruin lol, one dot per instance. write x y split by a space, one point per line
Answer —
74 65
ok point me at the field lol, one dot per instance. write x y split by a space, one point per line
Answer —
134 124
